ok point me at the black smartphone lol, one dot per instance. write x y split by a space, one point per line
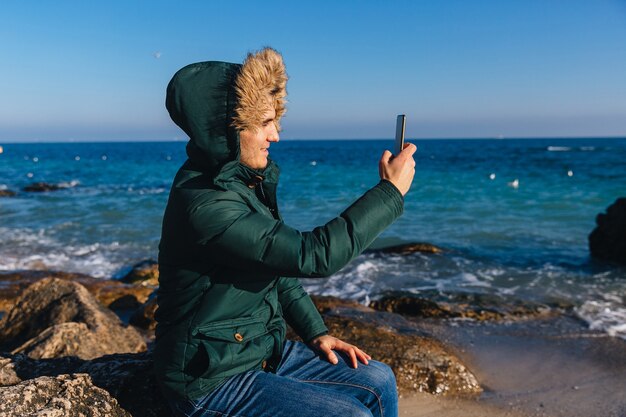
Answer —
400 123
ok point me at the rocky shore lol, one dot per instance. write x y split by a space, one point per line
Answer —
73 345
64 351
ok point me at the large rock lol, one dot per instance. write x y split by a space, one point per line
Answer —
608 240
408 248
126 377
65 339
419 362
61 396
465 305
56 317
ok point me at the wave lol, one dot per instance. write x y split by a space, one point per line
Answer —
558 148
595 296
68 184
568 148
26 249
607 316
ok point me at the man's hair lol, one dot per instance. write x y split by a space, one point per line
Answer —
260 86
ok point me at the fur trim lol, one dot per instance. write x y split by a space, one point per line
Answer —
260 85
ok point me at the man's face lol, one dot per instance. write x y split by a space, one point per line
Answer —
255 145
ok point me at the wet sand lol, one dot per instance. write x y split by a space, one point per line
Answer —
541 368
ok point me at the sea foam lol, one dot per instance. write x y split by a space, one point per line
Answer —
604 316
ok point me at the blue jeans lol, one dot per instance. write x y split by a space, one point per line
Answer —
303 385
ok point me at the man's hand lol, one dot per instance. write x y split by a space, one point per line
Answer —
399 169
324 345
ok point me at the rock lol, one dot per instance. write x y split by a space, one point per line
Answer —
126 377
325 303
126 302
145 272
464 305
412 307
65 339
108 292
8 376
41 187
408 248
7 193
58 317
143 317
61 396
608 240
419 362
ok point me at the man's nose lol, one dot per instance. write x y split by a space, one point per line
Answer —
272 135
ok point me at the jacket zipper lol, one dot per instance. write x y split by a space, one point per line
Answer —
266 202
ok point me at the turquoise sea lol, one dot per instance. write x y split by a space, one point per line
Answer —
513 214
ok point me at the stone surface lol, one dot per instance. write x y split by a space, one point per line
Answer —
7 193
60 396
41 187
145 272
126 377
8 375
65 339
419 362
143 317
38 324
465 305
108 292
408 248
608 240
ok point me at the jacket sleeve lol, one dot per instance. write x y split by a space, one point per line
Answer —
229 233
299 310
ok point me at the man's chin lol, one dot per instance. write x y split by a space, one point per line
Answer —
259 166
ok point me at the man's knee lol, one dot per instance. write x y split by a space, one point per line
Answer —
382 376
360 411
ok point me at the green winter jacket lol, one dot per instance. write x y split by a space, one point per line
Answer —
227 262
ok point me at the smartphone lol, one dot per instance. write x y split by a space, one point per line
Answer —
400 123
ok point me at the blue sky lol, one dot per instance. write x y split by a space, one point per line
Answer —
86 70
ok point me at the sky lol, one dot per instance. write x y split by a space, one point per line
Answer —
97 71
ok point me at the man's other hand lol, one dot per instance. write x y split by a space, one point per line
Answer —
324 346
399 169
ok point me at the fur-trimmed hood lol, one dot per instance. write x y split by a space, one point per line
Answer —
213 101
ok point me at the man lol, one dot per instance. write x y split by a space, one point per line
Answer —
228 264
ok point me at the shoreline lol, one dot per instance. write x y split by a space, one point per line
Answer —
534 366
553 367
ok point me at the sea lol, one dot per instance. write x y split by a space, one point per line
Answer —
513 215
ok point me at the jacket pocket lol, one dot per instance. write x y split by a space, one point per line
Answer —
233 346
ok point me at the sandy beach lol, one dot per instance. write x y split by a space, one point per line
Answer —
540 368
